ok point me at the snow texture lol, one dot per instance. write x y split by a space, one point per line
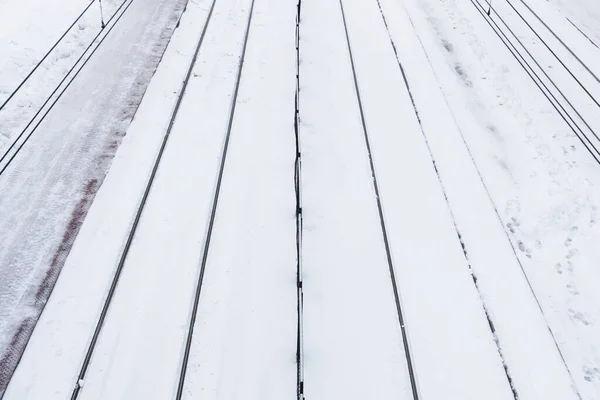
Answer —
442 183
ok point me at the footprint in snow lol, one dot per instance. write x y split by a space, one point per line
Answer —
463 75
578 316
513 224
510 227
591 373
559 268
524 248
448 46
572 289
572 253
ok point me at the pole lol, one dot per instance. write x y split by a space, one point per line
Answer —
102 24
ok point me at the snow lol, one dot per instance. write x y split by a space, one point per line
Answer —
244 343
569 35
352 339
88 271
580 93
48 188
520 329
29 32
582 13
543 184
435 286
486 214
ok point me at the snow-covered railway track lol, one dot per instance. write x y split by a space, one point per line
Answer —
213 211
39 63
503 268
138 215
53 98
50 185
369 236
566 46
577 109
583 33
384 230
140 325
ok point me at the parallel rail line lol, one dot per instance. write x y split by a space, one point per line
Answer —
20 85
299 219
114 19
399 309
539 82
215 202
107 302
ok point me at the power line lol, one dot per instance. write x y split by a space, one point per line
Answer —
46 55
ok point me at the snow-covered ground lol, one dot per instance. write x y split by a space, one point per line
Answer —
584 14
540 179
449 220
27 33
49 185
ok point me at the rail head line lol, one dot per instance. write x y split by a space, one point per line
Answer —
106 32
399 309
561 41
299 219
556 104
215 202
552 82
552 51
97 330
500 35
20 85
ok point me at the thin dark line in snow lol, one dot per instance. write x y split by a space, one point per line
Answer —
46 55
505 41
555 35
188 343
140 209
552 51
454 221
583 33
405 341
68 84
546 74
569 120
484 15
299 219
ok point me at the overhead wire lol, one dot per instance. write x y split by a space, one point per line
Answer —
31 121
585 140
20 85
